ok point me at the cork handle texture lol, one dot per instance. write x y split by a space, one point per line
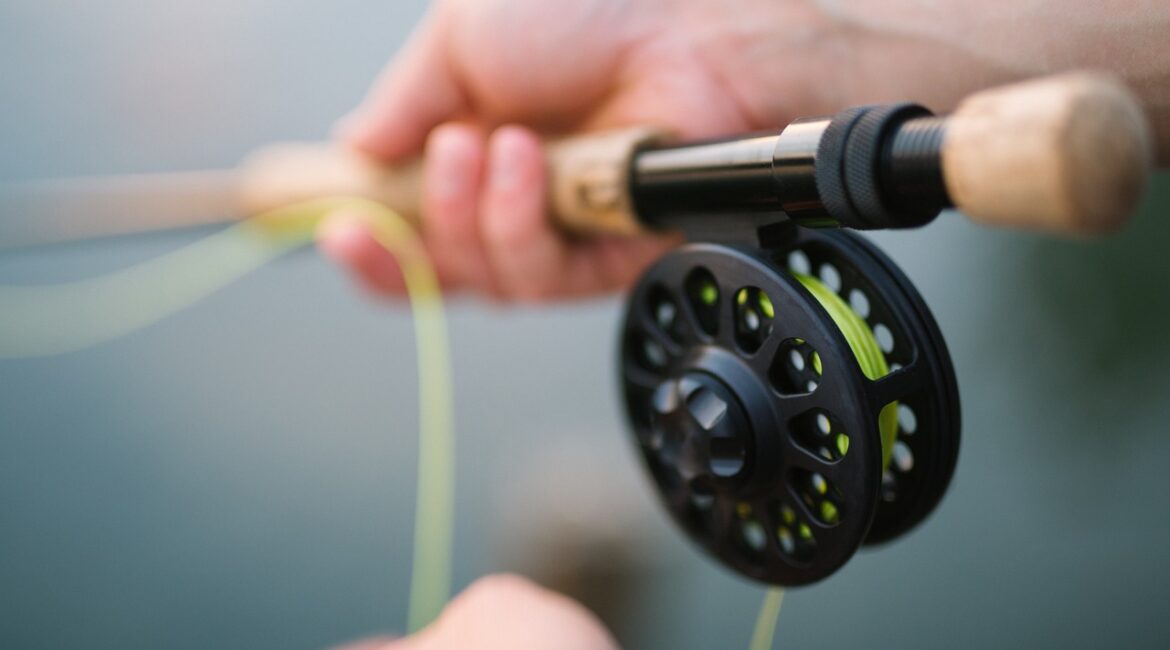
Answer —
590 181
588 194
1068 154
288 173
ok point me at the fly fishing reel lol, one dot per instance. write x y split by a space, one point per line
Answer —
787 387
791 402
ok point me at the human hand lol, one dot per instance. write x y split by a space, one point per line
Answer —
477 68
503 612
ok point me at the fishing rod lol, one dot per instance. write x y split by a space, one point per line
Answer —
1065 154
786 385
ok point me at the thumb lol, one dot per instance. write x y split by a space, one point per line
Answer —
502 612
415 93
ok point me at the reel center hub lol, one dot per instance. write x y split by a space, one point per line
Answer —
700 423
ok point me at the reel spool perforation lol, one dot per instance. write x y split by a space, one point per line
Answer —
742 326
795 369
818 432
702 295
663 317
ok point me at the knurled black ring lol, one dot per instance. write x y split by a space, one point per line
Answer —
862 160
830 166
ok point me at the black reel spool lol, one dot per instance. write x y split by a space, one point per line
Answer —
755 416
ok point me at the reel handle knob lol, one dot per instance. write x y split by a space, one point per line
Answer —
1068 154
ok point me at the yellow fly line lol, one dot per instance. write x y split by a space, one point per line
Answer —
38 321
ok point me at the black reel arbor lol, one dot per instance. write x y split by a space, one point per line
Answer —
756 418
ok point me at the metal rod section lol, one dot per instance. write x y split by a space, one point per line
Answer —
706 178
794 166
869 167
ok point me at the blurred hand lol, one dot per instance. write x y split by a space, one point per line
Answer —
503 612
476 69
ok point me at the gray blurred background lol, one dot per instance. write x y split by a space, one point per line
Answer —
241 476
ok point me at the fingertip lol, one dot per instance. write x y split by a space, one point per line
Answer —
515 208
454 160
453 179
526 252
346 240
516 159
341 237
364 132
510 612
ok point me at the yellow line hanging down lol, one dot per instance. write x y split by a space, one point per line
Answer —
37 321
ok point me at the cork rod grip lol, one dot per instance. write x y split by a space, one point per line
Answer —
588 178
1068 154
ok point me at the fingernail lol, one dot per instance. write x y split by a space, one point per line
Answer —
449 149
506 164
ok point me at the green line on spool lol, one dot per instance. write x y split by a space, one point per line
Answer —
867 352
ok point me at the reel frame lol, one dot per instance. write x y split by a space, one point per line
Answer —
754 417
